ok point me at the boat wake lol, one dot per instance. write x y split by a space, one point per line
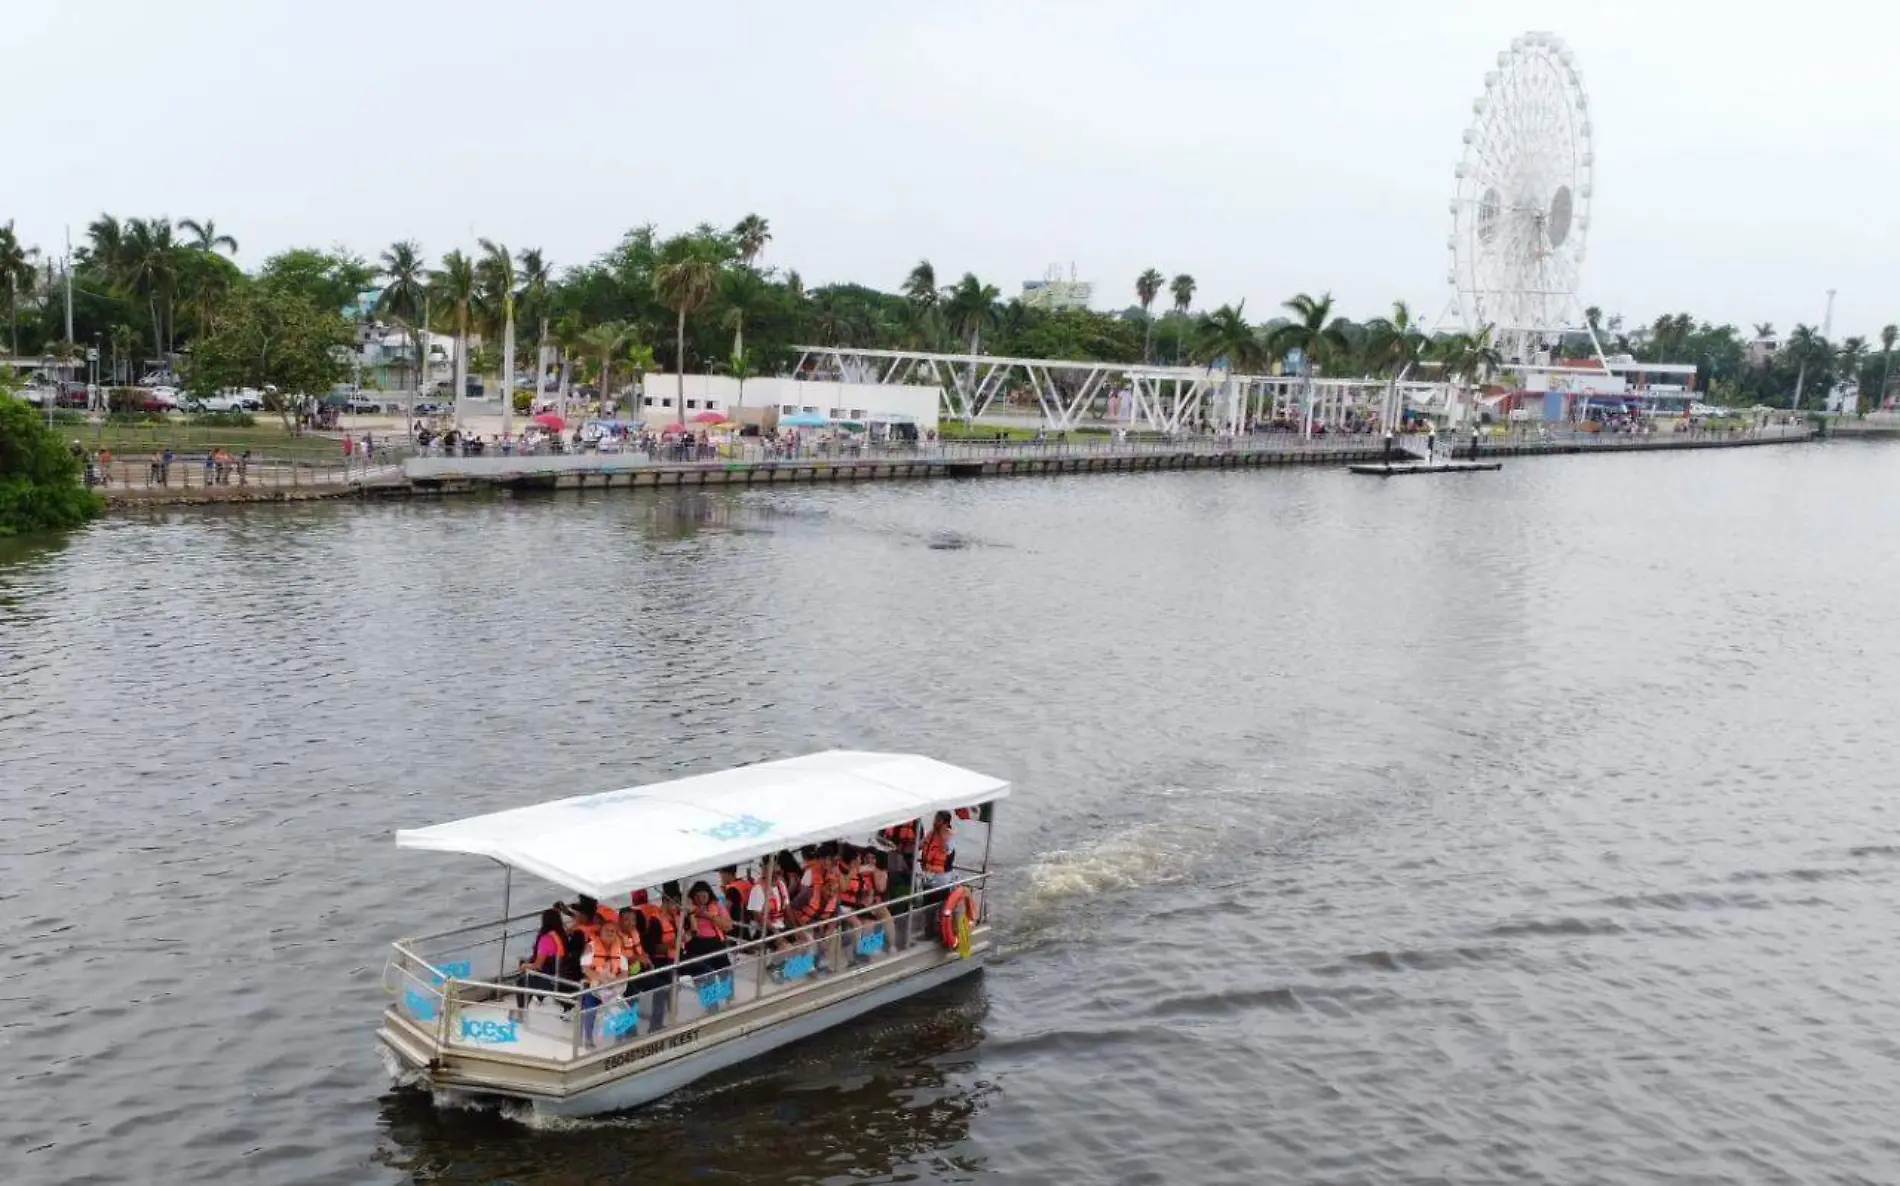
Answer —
1052 900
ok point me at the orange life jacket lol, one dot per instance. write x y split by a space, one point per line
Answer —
936 854
669 934
860 891
704 927
610 960
742 887
903 837
819 902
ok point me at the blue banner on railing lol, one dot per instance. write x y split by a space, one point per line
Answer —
420 1004
622 1020
712 992
442 973
801 965
871 943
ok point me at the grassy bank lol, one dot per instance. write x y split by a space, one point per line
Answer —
267 437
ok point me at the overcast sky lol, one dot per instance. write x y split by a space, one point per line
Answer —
1746 160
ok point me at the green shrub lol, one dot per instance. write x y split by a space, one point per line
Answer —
222 420
40 480
524 402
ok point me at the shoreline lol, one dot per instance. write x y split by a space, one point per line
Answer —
434 477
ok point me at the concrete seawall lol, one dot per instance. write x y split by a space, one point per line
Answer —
426 476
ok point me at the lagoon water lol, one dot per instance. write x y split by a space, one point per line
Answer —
1525 827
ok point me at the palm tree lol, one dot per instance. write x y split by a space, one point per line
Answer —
969 306
1468 358
497 278
686 279
108 245
920 287
1888 335
405 283
1853 354
151 271
1147 288
1764 330
605 340
205 236
745 292
740 368
1182 289
750 235
1807 345
1593 317
1316 334
1397 346
537 281
16 273
453 284
1224 335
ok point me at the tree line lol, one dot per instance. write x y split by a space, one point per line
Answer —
148 290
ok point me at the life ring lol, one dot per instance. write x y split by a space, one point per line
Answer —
961 910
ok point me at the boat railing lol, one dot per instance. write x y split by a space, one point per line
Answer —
440 981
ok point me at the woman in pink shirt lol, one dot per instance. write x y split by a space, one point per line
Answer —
550 949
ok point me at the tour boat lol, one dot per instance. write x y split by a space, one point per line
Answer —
466 1023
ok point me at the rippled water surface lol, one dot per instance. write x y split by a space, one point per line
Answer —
1527 827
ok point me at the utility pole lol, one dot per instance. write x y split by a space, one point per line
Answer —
1827 321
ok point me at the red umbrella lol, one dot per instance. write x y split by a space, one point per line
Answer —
673 430
709 417
550 421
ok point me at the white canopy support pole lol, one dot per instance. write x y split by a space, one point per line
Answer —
507 905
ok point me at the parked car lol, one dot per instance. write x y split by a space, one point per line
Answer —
363 405
38 396
246 400
166 399
429 407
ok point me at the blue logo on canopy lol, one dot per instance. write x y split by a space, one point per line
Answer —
744 828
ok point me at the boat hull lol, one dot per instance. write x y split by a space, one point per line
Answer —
646 1086
643 1068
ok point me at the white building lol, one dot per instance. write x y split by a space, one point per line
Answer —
767 399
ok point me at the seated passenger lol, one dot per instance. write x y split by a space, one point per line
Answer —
865 916
707 925
606 961
937 858
737 891
766 906
543 968
660 937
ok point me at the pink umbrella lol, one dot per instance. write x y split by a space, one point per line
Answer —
709 417
673 430
550 421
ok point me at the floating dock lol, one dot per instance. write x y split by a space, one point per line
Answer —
1399 468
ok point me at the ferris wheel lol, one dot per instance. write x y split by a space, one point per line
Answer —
1521 209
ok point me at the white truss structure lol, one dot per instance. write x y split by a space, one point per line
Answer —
1071 393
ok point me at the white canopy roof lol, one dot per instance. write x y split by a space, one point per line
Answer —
608 844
